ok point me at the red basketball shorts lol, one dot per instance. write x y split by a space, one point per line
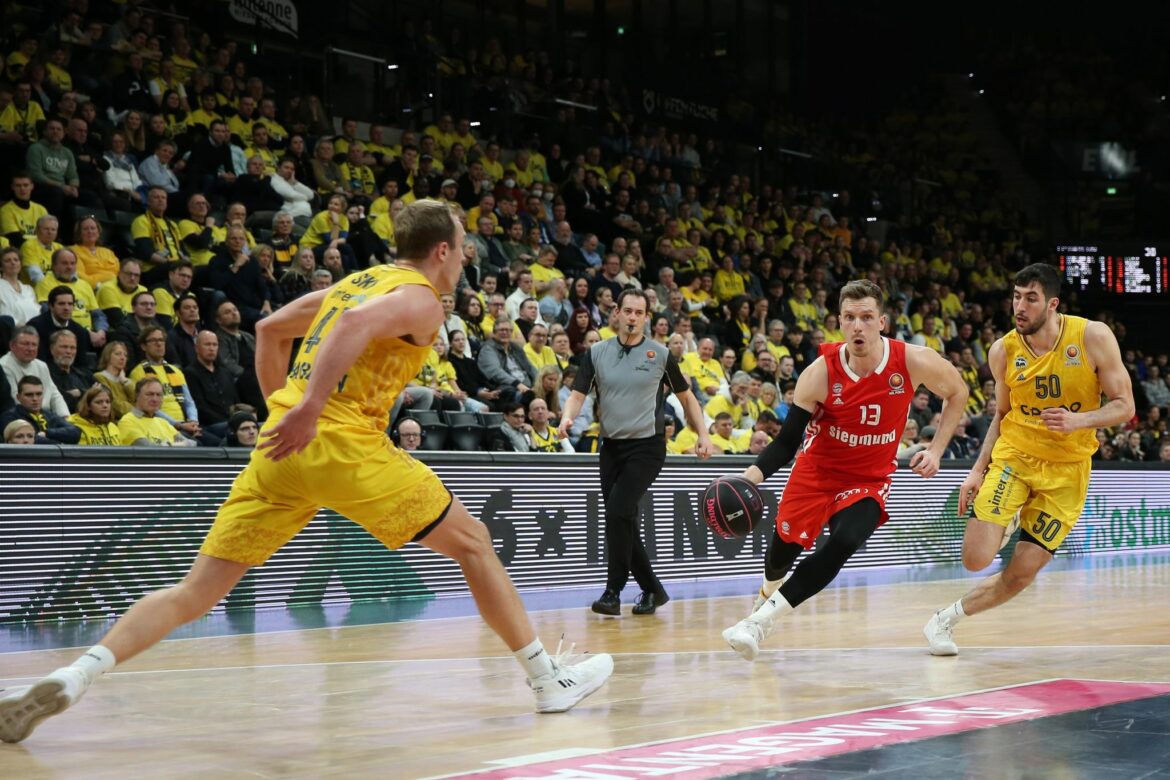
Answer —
807 504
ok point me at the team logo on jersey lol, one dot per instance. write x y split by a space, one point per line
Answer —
897 384
785 527
1021 362
838 388
1072 355
650 354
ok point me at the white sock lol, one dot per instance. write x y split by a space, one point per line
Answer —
952 614
775 606
769 587
534 658
97 661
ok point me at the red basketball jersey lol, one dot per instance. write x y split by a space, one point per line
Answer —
854 433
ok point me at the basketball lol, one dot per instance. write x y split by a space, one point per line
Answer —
732 507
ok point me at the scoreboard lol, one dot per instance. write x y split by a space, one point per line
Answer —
1118 268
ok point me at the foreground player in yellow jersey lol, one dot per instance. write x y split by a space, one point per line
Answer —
325 445
1033 469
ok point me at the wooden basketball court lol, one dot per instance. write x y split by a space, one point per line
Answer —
433 697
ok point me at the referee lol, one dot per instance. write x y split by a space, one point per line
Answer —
631 375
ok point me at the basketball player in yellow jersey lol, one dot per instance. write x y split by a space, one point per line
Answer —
324 444
1050 375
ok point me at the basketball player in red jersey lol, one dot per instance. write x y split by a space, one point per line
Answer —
850 408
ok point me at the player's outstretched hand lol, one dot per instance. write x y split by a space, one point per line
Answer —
291 435
924 463
968 490
563 428
1060 420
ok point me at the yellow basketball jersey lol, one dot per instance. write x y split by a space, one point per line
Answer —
366 393
1060 377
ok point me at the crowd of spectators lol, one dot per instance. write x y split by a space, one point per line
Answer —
164 203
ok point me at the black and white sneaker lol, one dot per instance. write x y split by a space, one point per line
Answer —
569 683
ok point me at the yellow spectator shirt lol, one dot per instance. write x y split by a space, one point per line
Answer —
84 301
14 219
111 296
156 430
97 434
164 235
98 266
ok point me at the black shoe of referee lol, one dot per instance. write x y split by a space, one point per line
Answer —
648 602
609 604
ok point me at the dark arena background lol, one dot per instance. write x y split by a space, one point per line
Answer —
741 161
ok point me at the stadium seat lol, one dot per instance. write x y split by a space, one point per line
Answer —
465 431
121 229
433 425
491 420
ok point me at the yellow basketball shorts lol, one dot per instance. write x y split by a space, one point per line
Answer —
1049 496
357 472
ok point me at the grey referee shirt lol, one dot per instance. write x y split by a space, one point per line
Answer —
631 385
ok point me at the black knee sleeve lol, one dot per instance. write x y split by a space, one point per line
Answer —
848 531
781 555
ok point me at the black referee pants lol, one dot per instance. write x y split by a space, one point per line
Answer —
628 467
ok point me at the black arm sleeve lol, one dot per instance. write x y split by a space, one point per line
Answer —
783 448
674 375
144 249
585 375
200 240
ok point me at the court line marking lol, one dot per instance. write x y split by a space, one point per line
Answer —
766 724
468 659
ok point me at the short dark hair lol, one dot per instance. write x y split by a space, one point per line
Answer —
28 380
859 289
149 330
1042 273
632 292
58 291
139 294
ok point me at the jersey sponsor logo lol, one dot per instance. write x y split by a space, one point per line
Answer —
844 494
1034 411
1021 362
897 384
868 440
1000 489
838 402
1072 355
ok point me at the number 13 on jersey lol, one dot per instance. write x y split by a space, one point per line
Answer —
871 414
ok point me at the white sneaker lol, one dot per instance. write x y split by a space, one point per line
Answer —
570 683
745 637
22 709
940 635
